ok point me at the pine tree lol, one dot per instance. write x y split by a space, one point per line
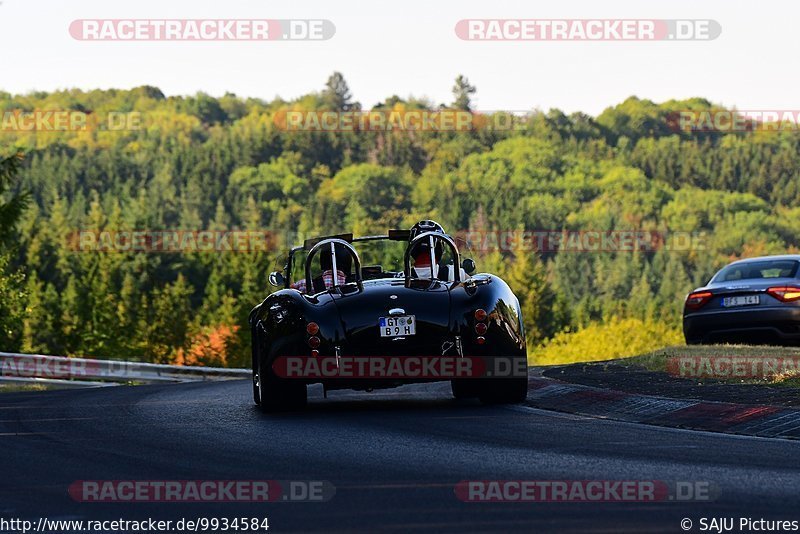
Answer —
12 296
528 279
11 206
462 93
336 95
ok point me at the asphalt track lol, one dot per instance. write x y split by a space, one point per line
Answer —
393 456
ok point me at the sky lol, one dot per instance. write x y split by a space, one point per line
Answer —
410 47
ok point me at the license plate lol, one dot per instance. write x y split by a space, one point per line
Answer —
399 325
746 300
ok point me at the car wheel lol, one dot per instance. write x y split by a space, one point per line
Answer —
279 394
256 392
504 390
254 356
464 389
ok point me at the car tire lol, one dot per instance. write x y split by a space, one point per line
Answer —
279 394
256 392
270 392
465 389
504 390
254 357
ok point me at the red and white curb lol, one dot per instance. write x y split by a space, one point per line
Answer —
751 420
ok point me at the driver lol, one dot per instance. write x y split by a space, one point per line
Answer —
422 255
325 280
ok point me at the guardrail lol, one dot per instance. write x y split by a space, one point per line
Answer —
38 368
61 384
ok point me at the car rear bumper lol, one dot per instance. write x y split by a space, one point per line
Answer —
379 372
764 325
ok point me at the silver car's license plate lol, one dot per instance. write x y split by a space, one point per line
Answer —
744 300
398 325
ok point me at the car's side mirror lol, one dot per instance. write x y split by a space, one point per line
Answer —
468 265
276 279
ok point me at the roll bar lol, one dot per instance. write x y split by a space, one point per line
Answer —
332 242
432 237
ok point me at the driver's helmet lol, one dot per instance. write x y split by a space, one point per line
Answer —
423 247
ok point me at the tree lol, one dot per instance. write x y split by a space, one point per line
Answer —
12 296
462 92
202 163
528 279
337 94
165 322
12 307
12 208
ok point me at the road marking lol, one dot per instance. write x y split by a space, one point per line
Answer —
549 413
709 433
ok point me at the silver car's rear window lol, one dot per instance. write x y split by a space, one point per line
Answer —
756 270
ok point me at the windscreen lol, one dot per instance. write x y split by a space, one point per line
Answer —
757 270
381 258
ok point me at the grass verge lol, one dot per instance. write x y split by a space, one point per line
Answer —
733 364
617 338
15 388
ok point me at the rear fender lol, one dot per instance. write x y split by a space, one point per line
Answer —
506 334
280 324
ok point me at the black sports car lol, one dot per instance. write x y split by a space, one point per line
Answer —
755 300
358 326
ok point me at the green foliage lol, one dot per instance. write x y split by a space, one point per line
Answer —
617 338
165 321
200 162
12 306
11 208
336 95
462 93
528 275
12 295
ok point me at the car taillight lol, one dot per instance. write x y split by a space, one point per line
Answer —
785 293
480 326
312 329
698 299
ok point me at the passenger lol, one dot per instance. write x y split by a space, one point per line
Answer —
325 280
421 253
